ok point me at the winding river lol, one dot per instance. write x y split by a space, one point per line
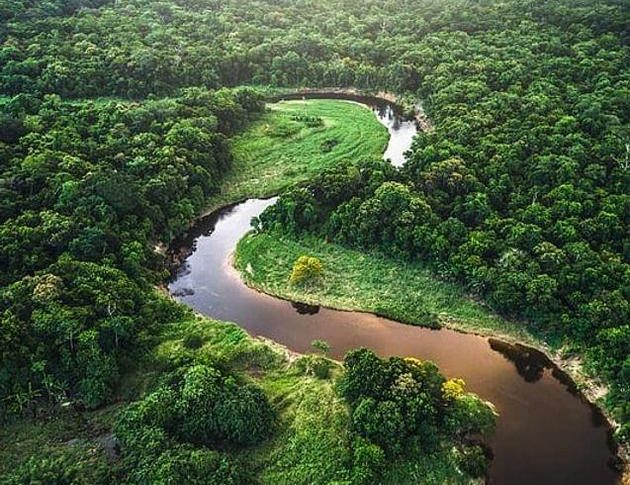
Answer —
546 434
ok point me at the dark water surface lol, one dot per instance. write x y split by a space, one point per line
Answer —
545 435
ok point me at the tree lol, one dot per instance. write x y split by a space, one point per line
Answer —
307 269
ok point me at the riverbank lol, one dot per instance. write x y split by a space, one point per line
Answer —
370 282
312 441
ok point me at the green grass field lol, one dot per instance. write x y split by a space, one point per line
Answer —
371 282
294 140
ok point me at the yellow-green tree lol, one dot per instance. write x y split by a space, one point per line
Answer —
305 269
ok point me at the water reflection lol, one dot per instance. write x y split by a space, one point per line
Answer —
530 363
305 308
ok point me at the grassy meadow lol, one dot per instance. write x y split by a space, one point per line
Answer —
366 281
294 140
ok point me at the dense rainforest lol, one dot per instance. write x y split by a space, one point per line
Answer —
115 119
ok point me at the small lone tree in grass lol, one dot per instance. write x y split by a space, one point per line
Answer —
306 269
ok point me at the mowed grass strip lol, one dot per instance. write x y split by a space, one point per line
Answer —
295 140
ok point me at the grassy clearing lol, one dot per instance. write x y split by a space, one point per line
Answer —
295 140
355 280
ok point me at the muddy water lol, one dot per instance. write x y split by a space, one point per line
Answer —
545 434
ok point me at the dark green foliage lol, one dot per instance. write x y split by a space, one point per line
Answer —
473 461
85 193
170 435
382 423
368 461
402 404
204 407
193 341
520 191
64 328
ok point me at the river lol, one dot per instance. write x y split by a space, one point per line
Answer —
546 434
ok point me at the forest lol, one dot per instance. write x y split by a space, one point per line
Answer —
117 119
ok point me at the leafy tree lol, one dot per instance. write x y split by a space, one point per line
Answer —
306 270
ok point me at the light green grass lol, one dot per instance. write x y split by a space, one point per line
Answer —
371 282
278 150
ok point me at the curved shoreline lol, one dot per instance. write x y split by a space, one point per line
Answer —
568 371
580 385
422 120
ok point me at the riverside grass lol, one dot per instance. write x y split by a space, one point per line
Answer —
295 140
312 441
366 281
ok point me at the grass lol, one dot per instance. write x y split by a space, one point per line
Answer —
310 446
293 141
70 434
366 281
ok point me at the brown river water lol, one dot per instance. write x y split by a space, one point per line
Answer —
546 434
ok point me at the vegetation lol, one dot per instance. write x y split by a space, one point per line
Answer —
114 125
523 269
169 433
306 269
285 146
367 281
86 192
405 404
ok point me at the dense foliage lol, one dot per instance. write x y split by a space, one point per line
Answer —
136 47
86 190
174 433
520 191
400 405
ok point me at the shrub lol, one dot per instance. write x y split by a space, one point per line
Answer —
321 346
314 365
204 407
368 460
306 269
193 341
472 461
183 464
198 406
